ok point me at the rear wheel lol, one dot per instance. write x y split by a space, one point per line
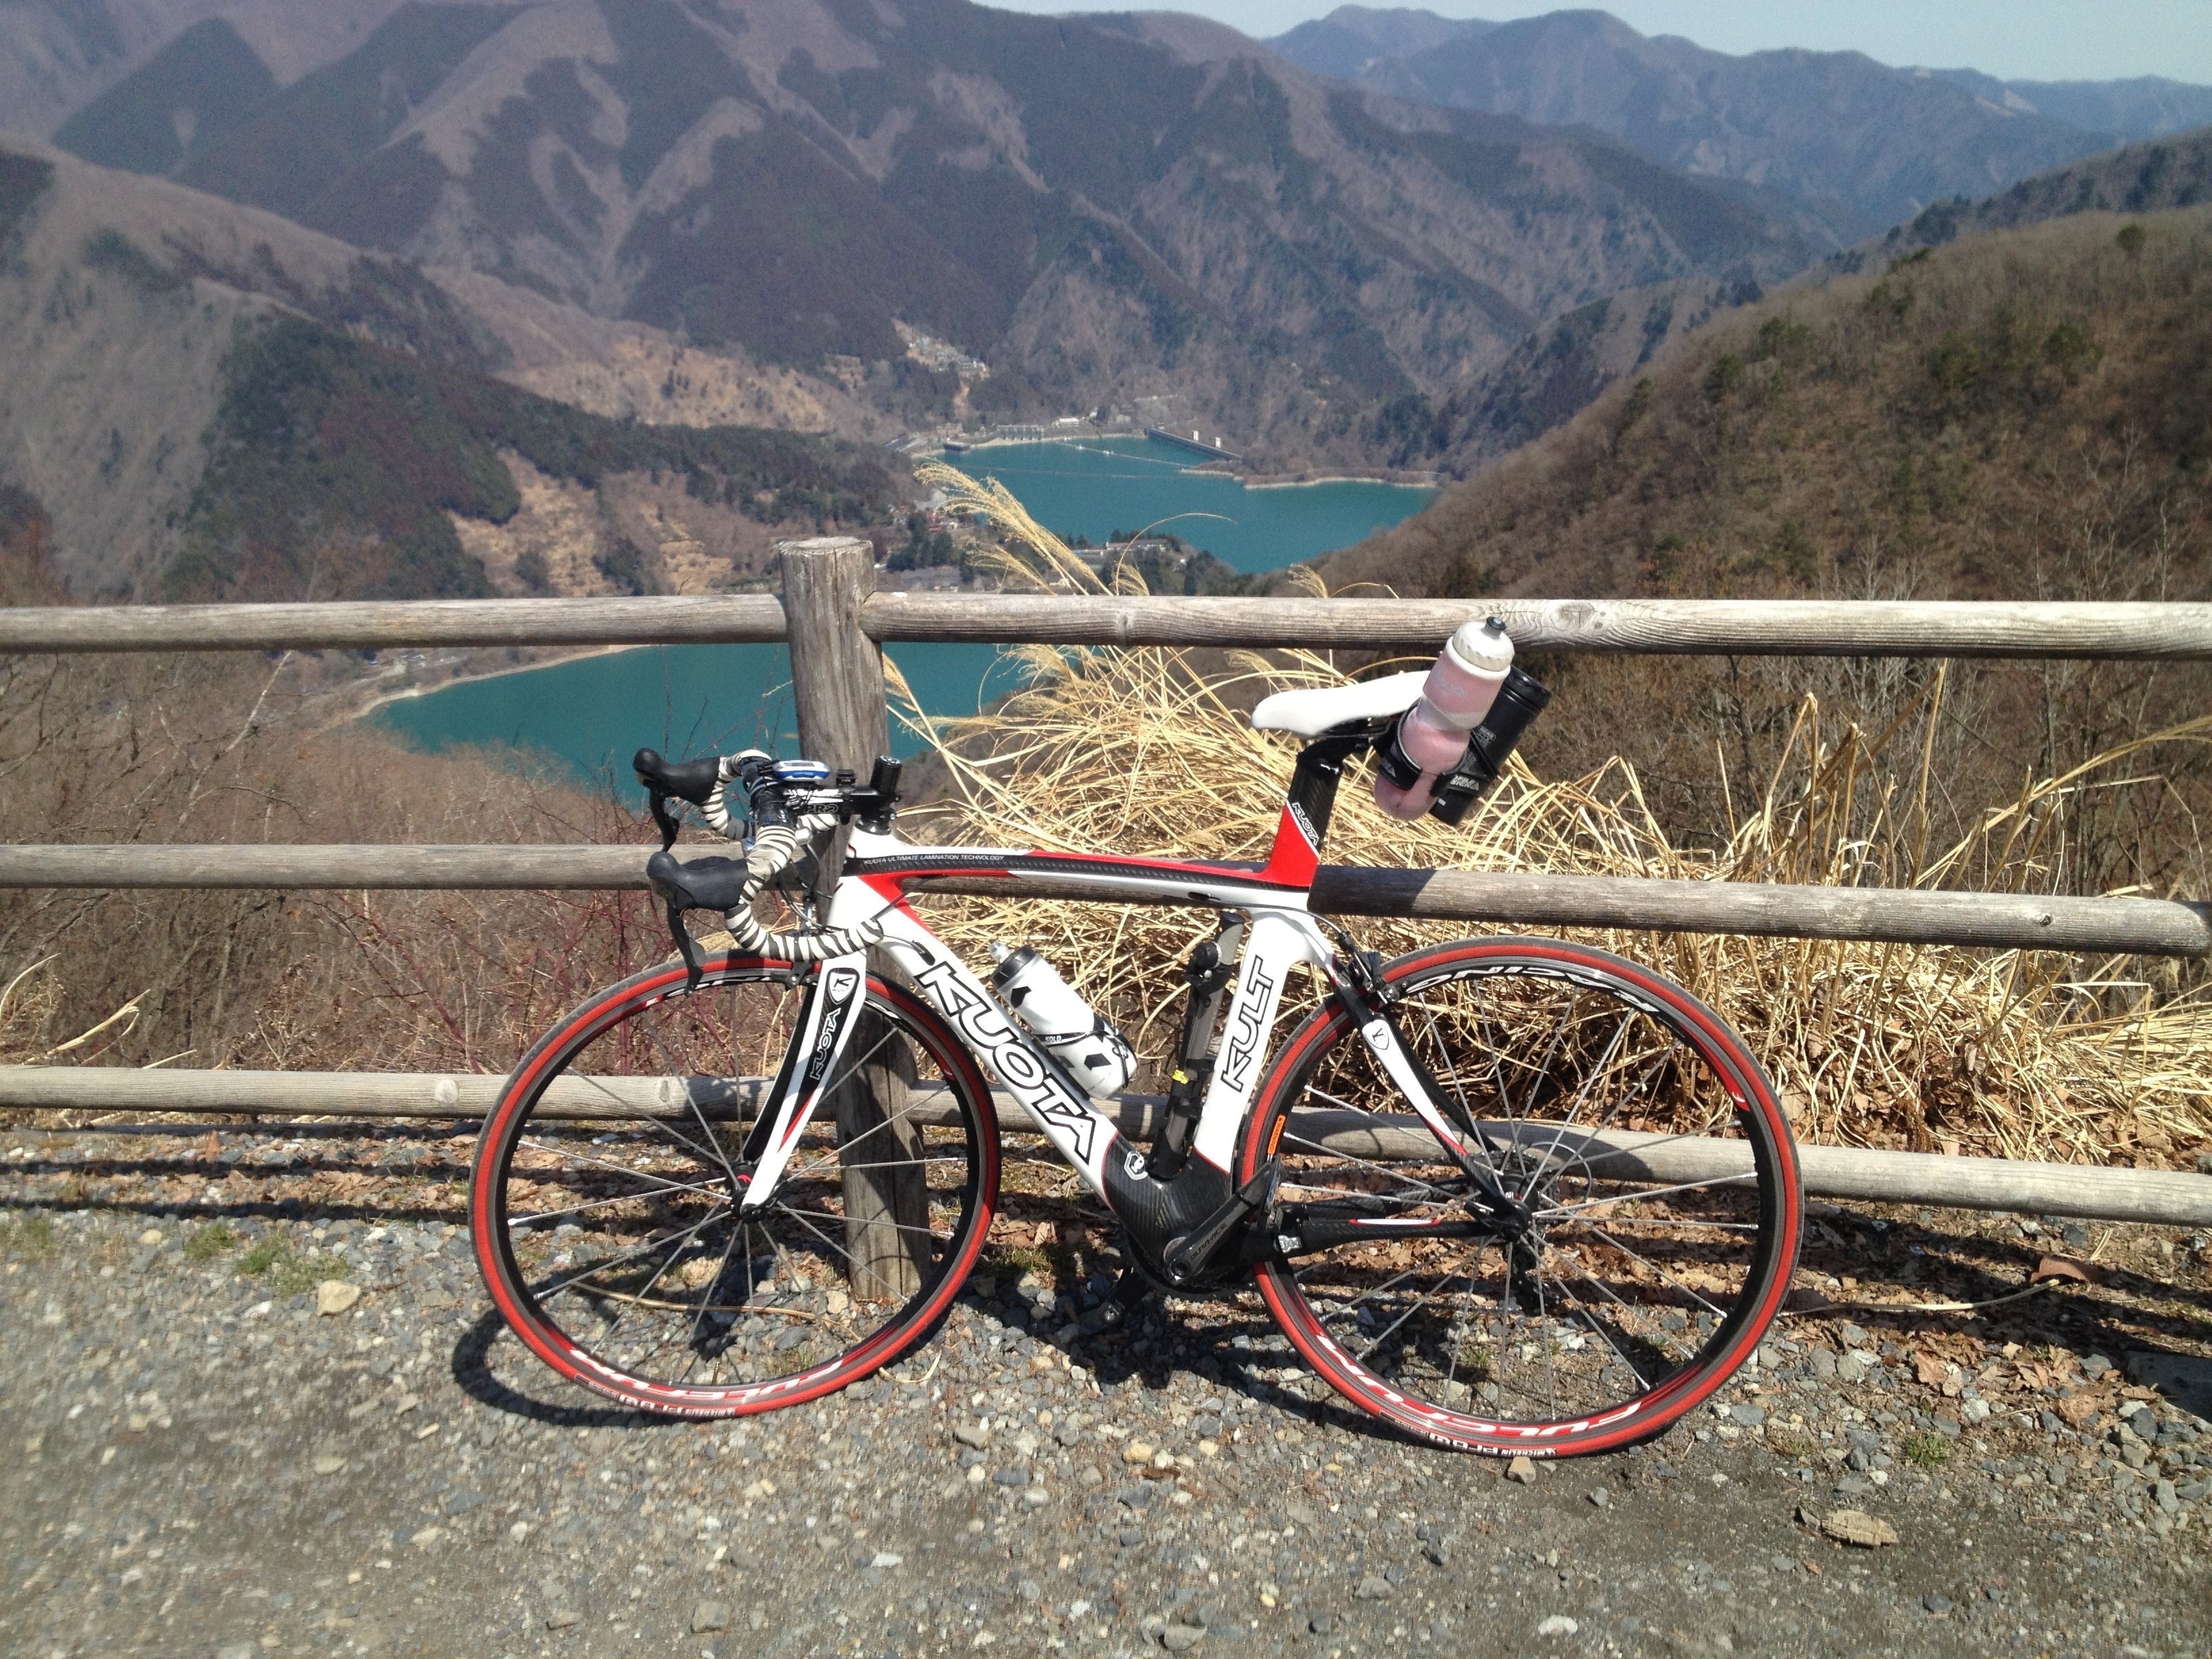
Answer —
1654 1164
604 1198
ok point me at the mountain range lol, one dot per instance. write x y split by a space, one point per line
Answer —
1562 366
1421 244
1104 208
1862 144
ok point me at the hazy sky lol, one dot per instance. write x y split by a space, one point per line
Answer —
2018 40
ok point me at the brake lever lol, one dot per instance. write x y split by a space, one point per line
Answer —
657 804
695 967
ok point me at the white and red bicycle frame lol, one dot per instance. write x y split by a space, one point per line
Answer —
1279 935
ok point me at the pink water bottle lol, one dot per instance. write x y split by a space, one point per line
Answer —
1430 736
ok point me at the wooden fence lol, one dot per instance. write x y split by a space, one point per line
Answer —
836 623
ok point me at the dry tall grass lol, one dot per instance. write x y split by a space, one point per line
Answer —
2012 1053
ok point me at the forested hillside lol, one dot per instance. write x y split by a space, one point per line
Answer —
2170 171
1556 370
211 403
1936 417
2020 415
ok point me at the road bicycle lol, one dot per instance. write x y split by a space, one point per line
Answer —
1511 1195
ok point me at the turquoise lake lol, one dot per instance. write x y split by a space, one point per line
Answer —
588 715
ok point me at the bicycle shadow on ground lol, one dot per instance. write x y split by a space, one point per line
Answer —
558 1406
1209 1354
1208 1351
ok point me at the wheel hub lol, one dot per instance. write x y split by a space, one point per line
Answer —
1530 1181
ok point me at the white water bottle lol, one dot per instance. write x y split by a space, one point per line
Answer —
1430 738
1091 1051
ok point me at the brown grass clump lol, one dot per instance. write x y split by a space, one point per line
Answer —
2011 1053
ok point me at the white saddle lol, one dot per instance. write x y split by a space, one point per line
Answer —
1308 714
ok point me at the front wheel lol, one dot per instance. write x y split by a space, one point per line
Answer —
604 1204
1655 1166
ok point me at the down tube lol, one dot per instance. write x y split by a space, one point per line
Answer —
1084 1136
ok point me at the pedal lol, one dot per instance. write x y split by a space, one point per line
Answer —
1121 1306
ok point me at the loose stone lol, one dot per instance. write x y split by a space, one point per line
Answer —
1857 1528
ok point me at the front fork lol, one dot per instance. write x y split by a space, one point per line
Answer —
836 993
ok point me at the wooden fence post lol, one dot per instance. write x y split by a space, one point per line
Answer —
837 684
836 671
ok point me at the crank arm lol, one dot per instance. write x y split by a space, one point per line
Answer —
1185 1257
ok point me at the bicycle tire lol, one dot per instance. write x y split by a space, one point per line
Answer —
1734 1241
768 1275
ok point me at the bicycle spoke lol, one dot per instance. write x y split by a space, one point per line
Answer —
629 1113
838 1155
1638 1257
658 1273
1605 1335
1291 1139
1551 1371
1610 1295
1420 1303
1375 1291
631 1171
661 1183
1479 1147
825 1238
521 1221
1657 1192
676 1073
1619 1032
825 1215
1574 1220
721 1268
630 1255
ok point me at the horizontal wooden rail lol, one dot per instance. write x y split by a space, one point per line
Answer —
1787 627
370 624
1978 1183
2001 920
1674 627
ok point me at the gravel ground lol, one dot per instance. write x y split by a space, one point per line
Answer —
204 1463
